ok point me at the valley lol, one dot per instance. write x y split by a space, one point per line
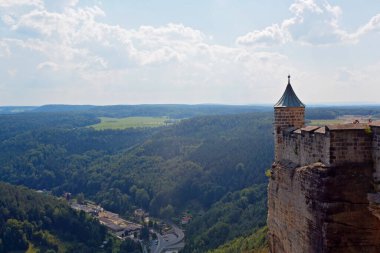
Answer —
210 167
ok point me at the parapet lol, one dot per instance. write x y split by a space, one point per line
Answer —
332 145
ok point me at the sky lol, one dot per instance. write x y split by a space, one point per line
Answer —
188 51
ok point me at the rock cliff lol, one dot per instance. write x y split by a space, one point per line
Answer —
318 208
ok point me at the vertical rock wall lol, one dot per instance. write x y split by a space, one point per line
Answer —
321 209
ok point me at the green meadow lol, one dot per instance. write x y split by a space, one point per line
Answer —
324 122
131 122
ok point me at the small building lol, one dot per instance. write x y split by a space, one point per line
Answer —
110 224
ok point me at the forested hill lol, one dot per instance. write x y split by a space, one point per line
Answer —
187 111
190 166
214 155
33 220
169 110
210 166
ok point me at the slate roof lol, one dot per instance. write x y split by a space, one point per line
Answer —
289 98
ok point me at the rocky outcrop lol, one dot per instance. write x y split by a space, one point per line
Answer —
316 208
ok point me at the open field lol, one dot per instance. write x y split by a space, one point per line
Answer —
342 120
131 122
324 122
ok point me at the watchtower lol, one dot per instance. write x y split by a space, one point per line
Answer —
289 112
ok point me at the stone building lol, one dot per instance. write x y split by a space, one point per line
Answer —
323 190
289 112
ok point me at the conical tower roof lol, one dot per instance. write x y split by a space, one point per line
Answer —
289 98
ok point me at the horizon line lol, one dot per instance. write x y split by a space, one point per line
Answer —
202 104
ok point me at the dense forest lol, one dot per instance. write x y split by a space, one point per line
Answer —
254 243
236 214
333 112
31 219
210 166
190 166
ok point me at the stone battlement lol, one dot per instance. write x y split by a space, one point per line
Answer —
331 145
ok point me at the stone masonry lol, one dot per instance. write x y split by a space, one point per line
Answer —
323 193
286 118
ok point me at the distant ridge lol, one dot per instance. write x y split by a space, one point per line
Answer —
170 110
177 110
63 108
16 109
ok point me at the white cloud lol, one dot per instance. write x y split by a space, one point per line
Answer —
48 65
64 25
299 7
346 84
13 3
314 22
372 25
271 35
4 49
72 50
71 55
72 3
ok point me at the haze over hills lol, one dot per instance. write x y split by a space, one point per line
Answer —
185 110
140 110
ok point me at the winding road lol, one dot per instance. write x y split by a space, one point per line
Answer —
171 241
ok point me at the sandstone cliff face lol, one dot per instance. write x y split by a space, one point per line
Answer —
321 209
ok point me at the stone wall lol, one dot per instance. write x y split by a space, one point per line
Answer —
350 146
306 145
324 192
315 146
286 117
374 197
331 145
376 152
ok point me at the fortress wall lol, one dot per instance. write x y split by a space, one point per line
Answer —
376 152
321 196
314 148
291 147
304 147
350 146
331 147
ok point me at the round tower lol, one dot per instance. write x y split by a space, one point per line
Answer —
289 112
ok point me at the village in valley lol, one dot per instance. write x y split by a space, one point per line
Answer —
154 235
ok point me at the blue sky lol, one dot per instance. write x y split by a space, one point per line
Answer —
188 51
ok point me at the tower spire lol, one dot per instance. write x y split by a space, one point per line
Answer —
289 98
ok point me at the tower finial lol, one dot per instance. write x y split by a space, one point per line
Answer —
288 79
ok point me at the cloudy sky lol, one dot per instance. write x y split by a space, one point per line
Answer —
188 51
